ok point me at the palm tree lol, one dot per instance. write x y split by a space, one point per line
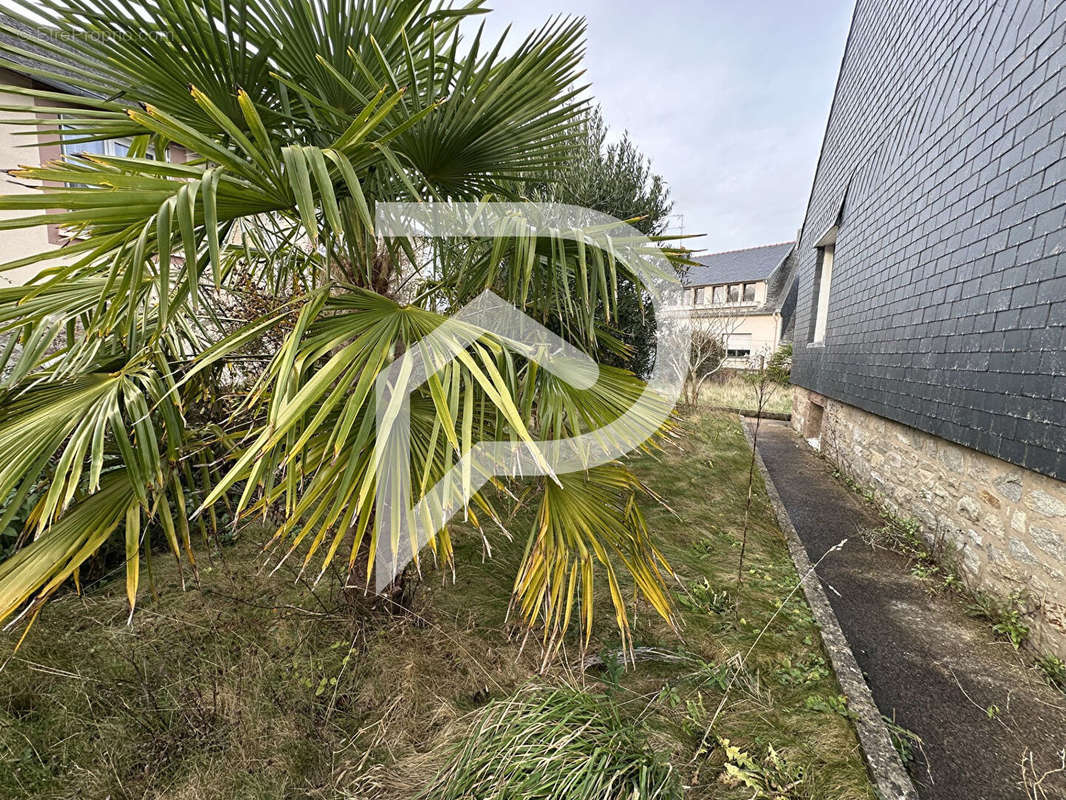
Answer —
210 333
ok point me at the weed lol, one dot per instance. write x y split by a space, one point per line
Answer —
695 715
770 777
905 741
717 676
897 534
828 704
953 583
865 492
614 667
924 571
804 672
704 547
1007 616
1054 670
702 597
669 695
732 675
938 563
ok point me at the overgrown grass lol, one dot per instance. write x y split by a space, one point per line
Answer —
729 390
251 686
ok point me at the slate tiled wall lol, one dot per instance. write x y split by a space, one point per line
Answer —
948 304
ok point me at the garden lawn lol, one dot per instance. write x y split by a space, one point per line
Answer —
249 685
730 390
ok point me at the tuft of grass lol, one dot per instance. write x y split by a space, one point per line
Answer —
701 596
554 743
907 743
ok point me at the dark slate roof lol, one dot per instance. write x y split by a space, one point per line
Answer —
751 264
14 33
782 292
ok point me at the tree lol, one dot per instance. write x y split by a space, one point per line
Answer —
770 376
617 179
137 394
707 355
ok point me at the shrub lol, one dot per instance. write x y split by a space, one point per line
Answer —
779 367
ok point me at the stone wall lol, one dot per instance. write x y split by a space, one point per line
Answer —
1007 523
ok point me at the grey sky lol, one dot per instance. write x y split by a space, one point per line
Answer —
728 98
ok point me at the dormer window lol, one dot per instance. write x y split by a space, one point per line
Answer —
728 294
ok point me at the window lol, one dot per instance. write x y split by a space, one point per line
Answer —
118 148
734 293
719 295
823 280
111 147
749 292
738 345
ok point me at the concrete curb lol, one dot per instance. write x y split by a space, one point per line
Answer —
890 779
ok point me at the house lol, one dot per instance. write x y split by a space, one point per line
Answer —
930 345
745 296
20 56
17 148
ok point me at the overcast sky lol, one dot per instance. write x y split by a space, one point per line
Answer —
729 98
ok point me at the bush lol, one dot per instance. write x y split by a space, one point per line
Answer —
779 366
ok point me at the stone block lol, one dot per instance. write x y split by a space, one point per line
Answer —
1022 553
1010 486
1052 542
988 498
1043 503
968 507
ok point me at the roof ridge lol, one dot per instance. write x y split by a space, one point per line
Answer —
745 249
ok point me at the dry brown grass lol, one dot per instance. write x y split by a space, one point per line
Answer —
728 389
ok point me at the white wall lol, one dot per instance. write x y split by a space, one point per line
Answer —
14 152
